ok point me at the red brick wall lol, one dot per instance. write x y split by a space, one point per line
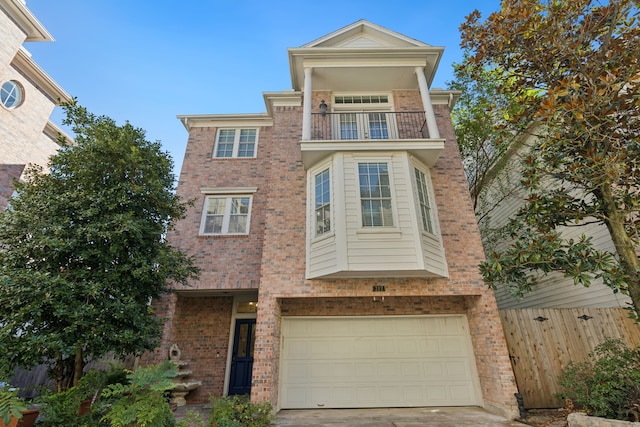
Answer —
226 262
202 328
275 253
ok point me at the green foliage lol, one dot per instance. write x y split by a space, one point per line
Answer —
191 419
608 385
63 409
83 249
238 411
480 119
141 402
573 67
10 403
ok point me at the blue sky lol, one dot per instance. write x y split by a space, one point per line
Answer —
148 61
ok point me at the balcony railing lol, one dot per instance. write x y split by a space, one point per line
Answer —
368 126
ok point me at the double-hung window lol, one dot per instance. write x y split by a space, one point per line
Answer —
423 200
236 143
322 205
375 194
226 215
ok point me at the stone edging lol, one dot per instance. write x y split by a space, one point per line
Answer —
580 419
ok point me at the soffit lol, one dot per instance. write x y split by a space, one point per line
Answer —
17 10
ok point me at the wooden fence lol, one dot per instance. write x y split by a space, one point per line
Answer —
543 341
30 381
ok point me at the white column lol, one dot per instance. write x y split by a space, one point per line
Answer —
306 106
430 116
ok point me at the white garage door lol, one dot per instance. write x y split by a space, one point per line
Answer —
365 362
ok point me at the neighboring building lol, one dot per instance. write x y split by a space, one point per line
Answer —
27 97
501 199
337 241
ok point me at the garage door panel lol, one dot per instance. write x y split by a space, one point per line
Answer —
377 362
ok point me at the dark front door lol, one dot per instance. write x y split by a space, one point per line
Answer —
242 358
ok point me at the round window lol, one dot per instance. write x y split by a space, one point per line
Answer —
11 94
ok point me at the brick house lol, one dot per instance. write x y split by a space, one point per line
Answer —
27 97
337 242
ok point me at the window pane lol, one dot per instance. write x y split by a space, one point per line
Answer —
246 149
322 202
423 200
238 224
247 143
239 215
375 195
216 205
378 126
232 220
247 135
226 135
213 225
224 150
214 215
348 126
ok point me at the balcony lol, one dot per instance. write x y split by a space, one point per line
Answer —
370 132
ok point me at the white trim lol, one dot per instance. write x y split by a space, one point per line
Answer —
388 160
340 216
327 166
435 223
236 143
226 216
228 190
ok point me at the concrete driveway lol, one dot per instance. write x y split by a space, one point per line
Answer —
392 417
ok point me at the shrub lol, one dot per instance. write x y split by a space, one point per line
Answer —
10 403
141 402
607 385
191 419
63 409
238 411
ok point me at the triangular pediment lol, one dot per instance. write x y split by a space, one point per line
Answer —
364 34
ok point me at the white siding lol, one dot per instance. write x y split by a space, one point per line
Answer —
351 250
553 290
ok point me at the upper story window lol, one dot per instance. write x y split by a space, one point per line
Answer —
236 143
362 99
424 201
322 195
375 194
226 214
363 117
11 94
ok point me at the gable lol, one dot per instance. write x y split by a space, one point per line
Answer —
364 34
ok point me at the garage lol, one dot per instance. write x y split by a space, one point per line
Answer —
365 362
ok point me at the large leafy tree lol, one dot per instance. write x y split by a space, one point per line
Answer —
580 60
82 250
483 127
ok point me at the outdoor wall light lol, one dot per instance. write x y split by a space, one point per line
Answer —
323 107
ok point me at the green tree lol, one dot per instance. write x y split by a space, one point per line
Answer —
83 250
483 128
580 60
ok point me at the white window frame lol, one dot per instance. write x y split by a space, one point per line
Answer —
236 143
12 94
228 194
314 219
433 212
393 199
362 121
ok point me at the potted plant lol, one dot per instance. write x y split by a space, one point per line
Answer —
13 409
